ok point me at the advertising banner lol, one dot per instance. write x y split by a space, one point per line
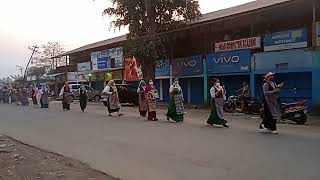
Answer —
162 68
133 69
94 60
229 62
291 39
247 43
104 63
86 66
187 66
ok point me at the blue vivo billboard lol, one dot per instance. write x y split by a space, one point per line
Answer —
162 68
229 62
291 39
187 66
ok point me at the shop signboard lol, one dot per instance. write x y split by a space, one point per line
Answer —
132 68
297 38
162 68
104 63
82 67
115 55
229 62
246 43
188 66
94 59
318 33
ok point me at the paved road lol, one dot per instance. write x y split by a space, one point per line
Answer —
132 148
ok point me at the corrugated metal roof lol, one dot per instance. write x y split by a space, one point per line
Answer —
251 6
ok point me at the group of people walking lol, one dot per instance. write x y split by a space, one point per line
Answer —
148 95
19 95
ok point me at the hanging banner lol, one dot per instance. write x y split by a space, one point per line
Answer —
247 43
133 69
94 60
86 66
187 66
229 62
291 39
162 68
318 33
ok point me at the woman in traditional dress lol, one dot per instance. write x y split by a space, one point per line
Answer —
66 96
175 107
24 97
38 94
271 104
217 115
111 98
83 98
152 95
143 104
44 101
34 99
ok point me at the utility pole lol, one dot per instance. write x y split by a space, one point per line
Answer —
21 69
34 50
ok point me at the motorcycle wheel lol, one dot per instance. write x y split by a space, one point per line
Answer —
301 118
229 108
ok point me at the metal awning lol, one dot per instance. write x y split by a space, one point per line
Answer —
53 75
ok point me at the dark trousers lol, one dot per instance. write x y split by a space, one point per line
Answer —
268 121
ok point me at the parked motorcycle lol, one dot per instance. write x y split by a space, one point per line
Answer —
233 104
296 112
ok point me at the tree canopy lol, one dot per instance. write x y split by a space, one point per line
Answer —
147 21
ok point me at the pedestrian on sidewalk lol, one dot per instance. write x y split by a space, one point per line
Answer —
175 106
143 104
217 115
271 104
111 98
152 95
83 97
66 92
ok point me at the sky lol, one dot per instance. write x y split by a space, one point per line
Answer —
73 23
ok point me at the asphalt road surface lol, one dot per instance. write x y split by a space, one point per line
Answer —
132 148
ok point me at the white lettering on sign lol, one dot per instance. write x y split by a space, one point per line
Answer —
190 63
223 59
247 43
244 68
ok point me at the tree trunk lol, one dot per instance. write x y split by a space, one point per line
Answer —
149 63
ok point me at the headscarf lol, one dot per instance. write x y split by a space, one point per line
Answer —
142 83
176 81
111 83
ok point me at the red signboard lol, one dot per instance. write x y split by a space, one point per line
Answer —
247 43
132 68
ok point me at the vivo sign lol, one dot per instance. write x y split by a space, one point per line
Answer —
223 59
229 62
187 66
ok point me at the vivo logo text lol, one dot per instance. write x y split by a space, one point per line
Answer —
190 63
231 59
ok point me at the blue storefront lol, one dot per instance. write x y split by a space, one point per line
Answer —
163 79
191 76
232 68
286 55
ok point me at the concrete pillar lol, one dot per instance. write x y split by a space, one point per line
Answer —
189 91
316 82
161 90
252 85
205 82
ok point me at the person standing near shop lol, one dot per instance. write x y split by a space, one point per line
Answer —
66 92
83 97
175 107
44 101
143 105
217 115
111 98
244 96
152 95
271 104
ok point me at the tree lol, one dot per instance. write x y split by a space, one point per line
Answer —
47 52
38 72
148 21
